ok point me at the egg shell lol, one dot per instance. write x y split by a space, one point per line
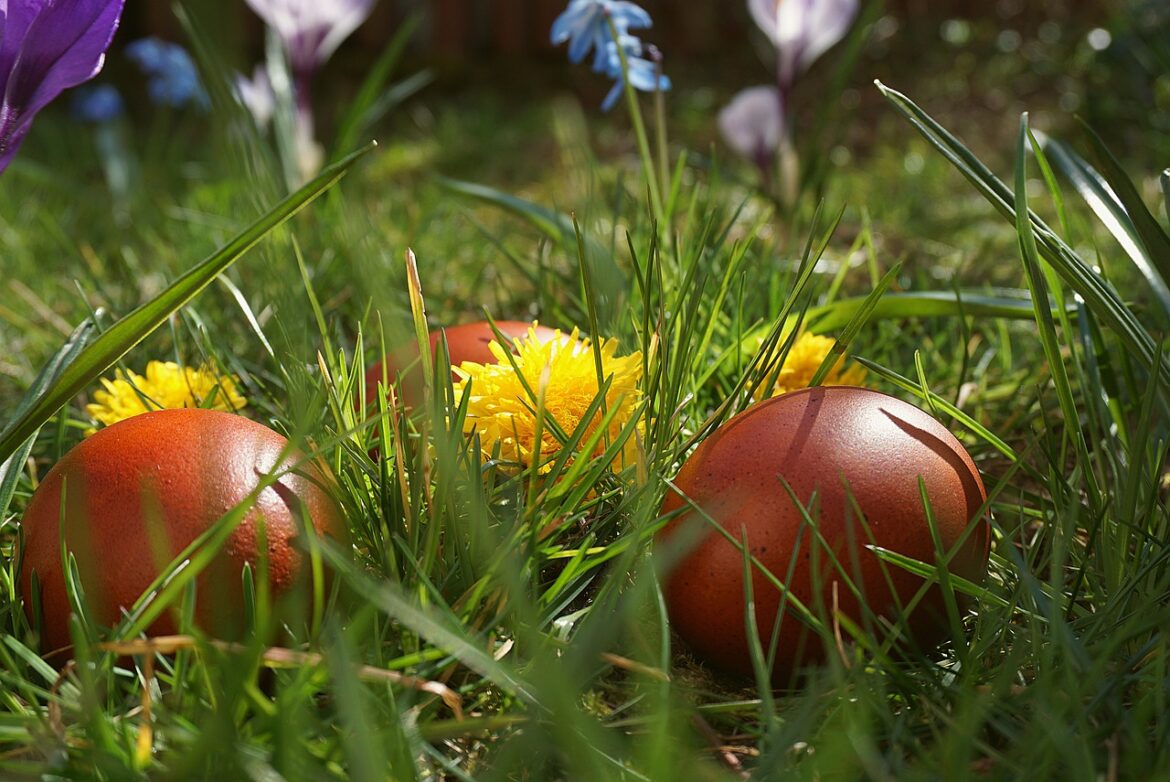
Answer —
141 490
818 440
468 342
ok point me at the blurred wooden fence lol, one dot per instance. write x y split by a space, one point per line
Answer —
464 30
457 30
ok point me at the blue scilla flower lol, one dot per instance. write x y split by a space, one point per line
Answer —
171 75
642 74
585 24
98 104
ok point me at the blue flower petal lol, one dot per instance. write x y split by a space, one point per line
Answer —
603 59
579 46
611 98
564 25
589 25
97 104
172 78
642 74
631 15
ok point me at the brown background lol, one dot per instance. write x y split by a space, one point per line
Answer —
456 32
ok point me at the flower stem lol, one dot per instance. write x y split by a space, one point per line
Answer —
789 170
660 121
640 133
788 162
308 153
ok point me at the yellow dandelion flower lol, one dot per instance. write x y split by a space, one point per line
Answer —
165 386
803 360
503 413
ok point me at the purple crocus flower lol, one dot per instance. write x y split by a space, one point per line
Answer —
753 125
802 30
311 30
256 95
46 47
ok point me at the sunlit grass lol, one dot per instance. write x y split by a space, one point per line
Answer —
496 622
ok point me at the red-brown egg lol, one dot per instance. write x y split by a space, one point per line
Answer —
853 448
468 342
132 496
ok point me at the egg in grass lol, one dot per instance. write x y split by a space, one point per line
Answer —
854 460
128 499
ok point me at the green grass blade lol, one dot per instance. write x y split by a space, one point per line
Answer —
860 317
1030 254
366 759
1151 233
610 281
368 106
1010 304
1165 182
120 338
930 573
1103 198
10 467
1098 294
551 223
10 473
759 657
391 599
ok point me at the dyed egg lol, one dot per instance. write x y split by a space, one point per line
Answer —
831 442
138 492
468 342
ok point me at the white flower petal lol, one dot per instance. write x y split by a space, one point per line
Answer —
766 13
809 28
319 24
256 95
802 30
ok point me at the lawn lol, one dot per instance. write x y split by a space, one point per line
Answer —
966 208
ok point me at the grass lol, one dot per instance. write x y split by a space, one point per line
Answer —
494 624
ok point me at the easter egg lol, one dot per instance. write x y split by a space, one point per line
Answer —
468 342
133 495
853 458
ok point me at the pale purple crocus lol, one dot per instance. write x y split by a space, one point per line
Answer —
46 47
310 31
802 30
753 125
256 95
